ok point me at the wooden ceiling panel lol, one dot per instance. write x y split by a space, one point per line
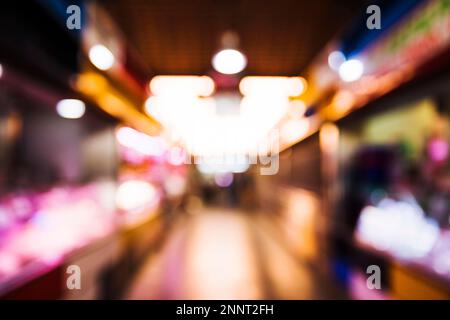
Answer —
278 37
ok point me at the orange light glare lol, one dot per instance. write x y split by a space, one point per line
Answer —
329 137
91 84
343 101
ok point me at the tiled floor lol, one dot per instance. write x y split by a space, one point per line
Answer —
226 254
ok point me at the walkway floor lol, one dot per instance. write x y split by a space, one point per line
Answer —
227 254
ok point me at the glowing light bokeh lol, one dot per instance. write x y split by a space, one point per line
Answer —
182 85
135 194
229 61
282 86
329 137
70 108
294 130
223 180
351 70
336 59
101 57
176 156
438 150
398 227
140 142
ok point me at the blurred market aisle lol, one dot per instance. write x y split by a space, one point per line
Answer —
227 254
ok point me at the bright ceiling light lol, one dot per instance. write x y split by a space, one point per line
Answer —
101 57
335 59
229 61
281 86
222 164
140 142
182 85
351 70
70 108
1 70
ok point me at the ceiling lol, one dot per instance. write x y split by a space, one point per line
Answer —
278 37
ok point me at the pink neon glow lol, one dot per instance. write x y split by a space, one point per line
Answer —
176 156
224 179
60 220
438 150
